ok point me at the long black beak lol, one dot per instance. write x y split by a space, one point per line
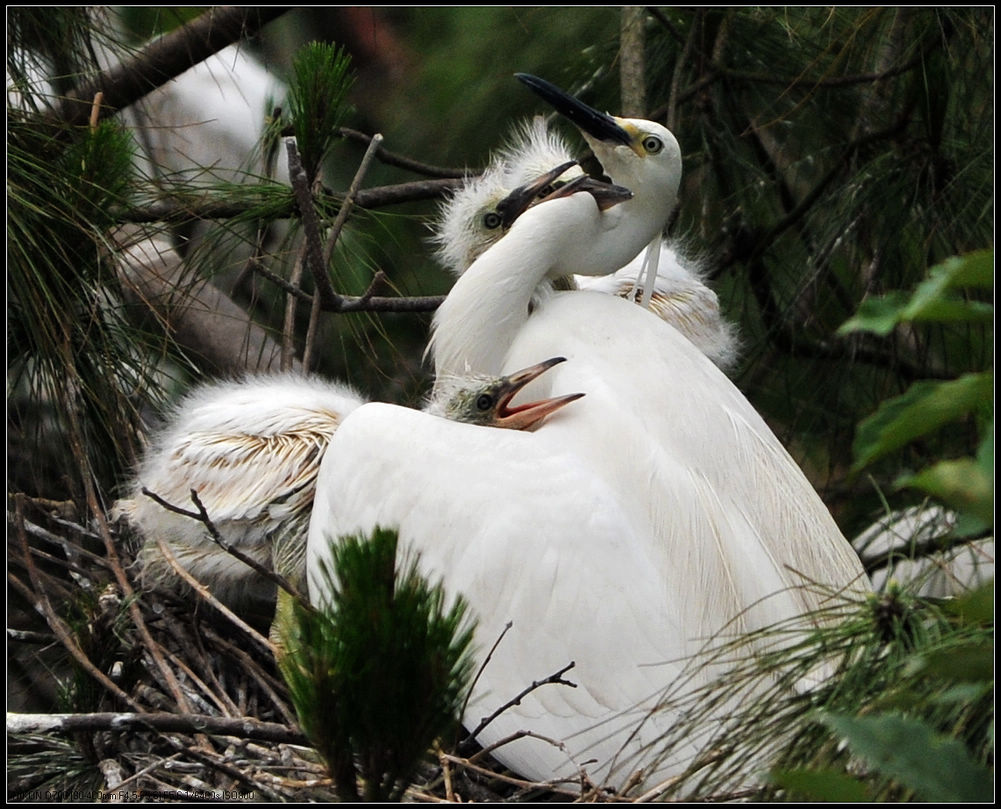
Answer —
606 195
519 200
598 125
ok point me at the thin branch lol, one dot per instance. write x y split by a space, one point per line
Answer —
335 232
111 551
41 601
240 727
203 591
312 250
519 734
164 59
366 302
202 516
391 159
554 679
177 211
483 665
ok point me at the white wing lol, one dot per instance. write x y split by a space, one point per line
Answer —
528 534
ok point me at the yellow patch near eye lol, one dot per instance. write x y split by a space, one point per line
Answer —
632 129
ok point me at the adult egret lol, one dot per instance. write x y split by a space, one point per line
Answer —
469 221
251 449
636 527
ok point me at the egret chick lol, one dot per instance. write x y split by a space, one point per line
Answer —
251 450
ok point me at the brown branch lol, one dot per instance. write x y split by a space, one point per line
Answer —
391 159
204 593
40 600
240 727
176 211
335 232
312 250
164 59
366 302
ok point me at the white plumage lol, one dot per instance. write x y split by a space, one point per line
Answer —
251 449
469 222
628 532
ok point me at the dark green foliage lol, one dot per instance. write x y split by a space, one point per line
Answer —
892 655
380 674
914 702
67 342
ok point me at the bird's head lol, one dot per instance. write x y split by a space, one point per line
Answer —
468 221
486 401
634 152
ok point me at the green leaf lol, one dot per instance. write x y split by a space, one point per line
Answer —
822 785
960 484
934 300
925 407
879 315
937 768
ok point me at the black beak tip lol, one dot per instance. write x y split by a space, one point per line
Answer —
597 124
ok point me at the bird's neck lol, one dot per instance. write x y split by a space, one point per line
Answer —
478 321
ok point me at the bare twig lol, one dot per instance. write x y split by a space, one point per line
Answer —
391 159
202 516
335 232
56 624
555 786
483 665
367 301
203 591
520 734
312 250
554 679
178 210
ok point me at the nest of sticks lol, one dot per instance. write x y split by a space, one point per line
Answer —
117 691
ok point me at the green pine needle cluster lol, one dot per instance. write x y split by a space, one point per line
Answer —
318 88
380 673
68 343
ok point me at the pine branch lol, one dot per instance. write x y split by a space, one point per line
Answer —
178 211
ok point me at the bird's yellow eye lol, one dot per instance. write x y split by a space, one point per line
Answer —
652 144
484 401
491 220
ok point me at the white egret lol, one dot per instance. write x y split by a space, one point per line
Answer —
629 532
940 574
205 126
469 221
251 449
